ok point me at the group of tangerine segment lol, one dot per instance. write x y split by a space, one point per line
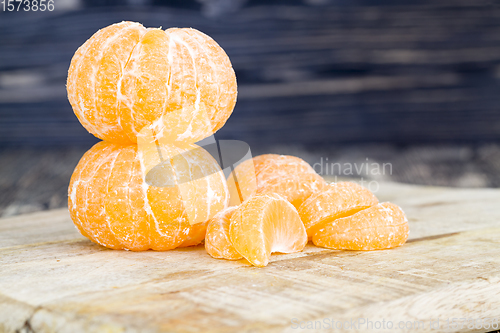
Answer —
111 203
263 224
126 77
335 201
289 176
382 226
217 241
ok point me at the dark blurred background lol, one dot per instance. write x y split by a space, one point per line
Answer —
414 83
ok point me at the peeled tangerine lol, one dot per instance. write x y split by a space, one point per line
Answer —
264 224
111 203
176 82
289 176
382 226
335 201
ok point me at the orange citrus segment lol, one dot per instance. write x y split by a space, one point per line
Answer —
265 224
335 201
196 235
296 188
112 204
94 77
143 86
382 226
85 207
272 165
286 175
217 241
128 220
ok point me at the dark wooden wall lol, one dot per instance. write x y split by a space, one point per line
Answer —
403 72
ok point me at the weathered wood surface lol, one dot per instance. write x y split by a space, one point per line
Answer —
419 71
54 280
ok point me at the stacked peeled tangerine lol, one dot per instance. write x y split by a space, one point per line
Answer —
150 95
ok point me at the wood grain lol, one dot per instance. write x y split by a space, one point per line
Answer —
54 280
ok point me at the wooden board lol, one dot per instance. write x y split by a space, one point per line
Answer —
54 280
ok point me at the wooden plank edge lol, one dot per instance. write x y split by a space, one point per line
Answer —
14 315
477 299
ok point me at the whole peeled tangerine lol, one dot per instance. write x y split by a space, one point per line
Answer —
176 82
112 204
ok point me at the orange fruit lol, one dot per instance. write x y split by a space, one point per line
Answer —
289 176
196 235
335 201
178 83
382 226
295 188
263 224
111 203
191 169
217 241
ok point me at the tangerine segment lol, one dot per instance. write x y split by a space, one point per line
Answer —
111 203
217 241
127 77
124 202
196 235
88 183
272 165
296 188
382 226
335 201
94 78
255 175
265 224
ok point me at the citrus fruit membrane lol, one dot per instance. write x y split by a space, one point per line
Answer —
263 224
382 226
